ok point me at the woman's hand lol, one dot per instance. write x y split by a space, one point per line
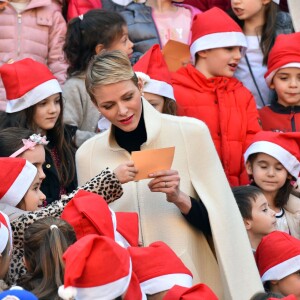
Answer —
168 182
125 172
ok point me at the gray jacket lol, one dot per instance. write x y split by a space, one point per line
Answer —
141 27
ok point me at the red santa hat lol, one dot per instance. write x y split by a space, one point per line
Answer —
89 213
158 268
215 29
284 146
284 54
16 177
26 83
154 72
96 267
197 292
5 232
290 297
277 256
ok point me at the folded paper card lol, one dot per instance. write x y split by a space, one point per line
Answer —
152 160
176 55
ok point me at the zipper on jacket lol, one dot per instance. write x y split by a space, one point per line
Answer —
139 214
293 119
19 33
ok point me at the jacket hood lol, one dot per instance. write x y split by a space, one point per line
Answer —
197 81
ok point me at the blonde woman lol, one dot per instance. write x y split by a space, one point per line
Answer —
196 174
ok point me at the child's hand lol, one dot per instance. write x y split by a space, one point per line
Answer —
125 172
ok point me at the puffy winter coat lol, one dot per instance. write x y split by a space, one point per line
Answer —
229 111
38 32
277 117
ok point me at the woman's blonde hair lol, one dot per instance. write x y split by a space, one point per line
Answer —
106 68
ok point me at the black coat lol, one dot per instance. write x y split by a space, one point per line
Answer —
51 185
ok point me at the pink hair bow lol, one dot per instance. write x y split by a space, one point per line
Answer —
30 143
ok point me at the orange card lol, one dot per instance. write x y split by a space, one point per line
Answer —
152 160
176 55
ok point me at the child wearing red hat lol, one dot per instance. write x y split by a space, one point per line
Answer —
278 262
273 164
34 101
261 22
283 76
157 84
21 198
208 92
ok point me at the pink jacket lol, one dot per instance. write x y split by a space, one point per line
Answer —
38 32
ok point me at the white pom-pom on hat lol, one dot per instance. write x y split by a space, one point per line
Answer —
67 293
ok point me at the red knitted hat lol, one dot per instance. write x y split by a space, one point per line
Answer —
277 256
5 231
158 81
96 268
215 29
16 176
26 83
158 268
284 54
196 292
284 146
89 213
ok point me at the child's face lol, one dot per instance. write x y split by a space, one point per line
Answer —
263 217
268 173
123 44
249 9
219 62
288 285
156 101
37 157
46 112
34 198
286 83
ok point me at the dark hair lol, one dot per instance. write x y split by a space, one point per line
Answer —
284 192
244 196
56 136
43 250
266 296
97 27
11 139
267 31
169 107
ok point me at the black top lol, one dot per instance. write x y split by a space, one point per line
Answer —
198 217
132 141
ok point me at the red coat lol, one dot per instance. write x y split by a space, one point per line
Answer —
279 118
229 111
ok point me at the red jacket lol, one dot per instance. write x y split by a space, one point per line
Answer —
229 111
277 117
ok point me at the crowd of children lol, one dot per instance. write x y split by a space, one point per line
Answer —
83 84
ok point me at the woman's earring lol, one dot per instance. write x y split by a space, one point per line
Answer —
143 94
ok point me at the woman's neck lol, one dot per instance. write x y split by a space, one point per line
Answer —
132 141
162 6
